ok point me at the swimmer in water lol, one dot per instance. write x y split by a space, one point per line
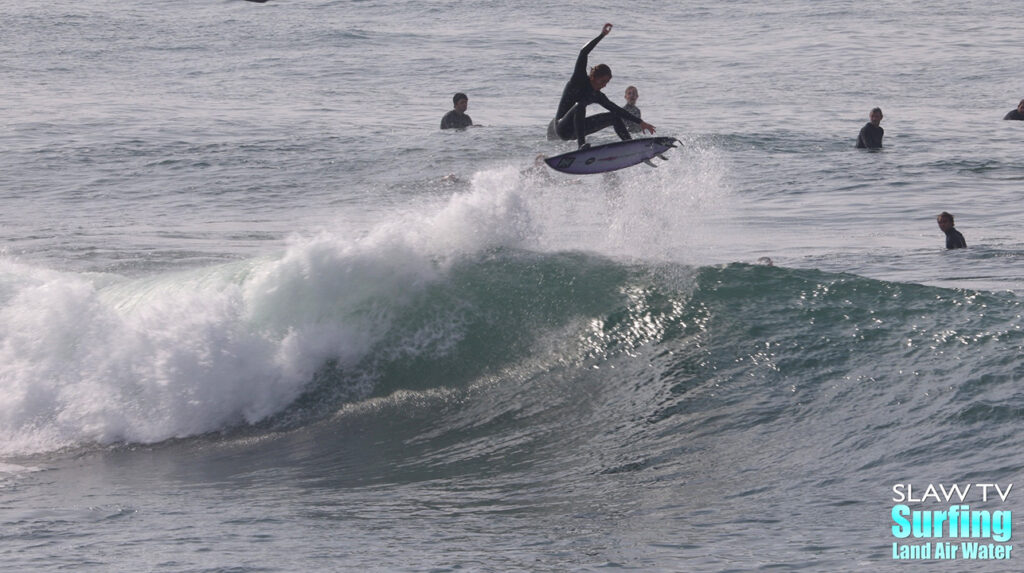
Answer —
631 96
954 240
457 118
870 136
1016 113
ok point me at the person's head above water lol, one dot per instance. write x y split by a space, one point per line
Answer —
876 116
631 95
461 101
945 221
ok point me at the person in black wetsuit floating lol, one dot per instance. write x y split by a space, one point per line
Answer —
1016 113
954 240
871 134
583 89
457 118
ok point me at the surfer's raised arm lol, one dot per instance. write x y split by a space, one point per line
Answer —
593 43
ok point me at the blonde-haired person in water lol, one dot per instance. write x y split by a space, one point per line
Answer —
631 96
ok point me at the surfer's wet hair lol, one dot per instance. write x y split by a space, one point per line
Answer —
600 71
458 97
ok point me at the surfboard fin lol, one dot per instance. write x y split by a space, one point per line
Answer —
661 157
648 161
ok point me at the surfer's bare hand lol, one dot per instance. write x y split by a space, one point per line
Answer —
646 126
607 28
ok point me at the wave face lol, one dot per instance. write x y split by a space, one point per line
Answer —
684 397
482 285
101 359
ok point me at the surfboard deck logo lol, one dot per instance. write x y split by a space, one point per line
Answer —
564 162
612 156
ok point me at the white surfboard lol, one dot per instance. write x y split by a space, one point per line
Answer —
612 156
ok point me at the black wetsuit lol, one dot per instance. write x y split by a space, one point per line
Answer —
571 119
1014 114
870 136
954 240
455 119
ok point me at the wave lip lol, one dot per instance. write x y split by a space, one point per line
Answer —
178 355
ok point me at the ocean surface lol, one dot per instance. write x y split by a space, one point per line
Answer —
259 314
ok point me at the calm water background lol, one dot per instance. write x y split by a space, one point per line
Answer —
257 313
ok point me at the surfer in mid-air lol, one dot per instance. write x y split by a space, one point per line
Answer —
583 89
